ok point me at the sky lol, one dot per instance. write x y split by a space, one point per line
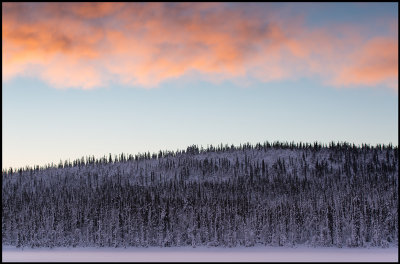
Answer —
83 79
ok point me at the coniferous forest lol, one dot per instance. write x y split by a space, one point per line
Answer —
277 194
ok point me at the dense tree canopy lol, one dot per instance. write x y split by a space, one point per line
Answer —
280 194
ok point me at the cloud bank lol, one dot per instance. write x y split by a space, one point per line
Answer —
90 45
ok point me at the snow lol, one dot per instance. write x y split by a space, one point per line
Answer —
179 254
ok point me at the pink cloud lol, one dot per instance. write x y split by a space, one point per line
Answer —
376 62
89 45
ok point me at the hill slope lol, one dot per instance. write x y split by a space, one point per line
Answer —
270 194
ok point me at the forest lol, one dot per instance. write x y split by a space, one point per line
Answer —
275 194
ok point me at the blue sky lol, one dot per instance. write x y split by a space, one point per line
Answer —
205 100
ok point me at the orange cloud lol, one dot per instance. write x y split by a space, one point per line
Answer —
374 63
89 45
94 10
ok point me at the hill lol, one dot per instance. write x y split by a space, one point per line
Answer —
277 194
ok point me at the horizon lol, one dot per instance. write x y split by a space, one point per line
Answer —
202 149
90 79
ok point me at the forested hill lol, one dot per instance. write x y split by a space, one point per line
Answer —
277 194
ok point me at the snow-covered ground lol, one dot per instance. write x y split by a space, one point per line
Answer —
264 254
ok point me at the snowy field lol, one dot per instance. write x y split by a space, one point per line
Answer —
264 254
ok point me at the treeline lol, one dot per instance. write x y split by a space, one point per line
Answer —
194 149
279 194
